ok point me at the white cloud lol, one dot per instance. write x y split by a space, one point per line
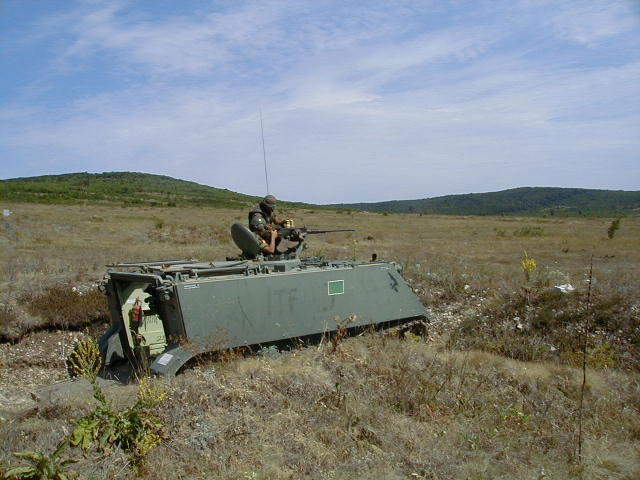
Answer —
178 45
593 21
256 31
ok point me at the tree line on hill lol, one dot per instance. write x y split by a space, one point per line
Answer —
127 188
518 201
132 188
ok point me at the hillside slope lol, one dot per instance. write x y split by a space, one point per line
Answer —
127 188
132 188
519 201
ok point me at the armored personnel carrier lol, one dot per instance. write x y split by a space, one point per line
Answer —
163 313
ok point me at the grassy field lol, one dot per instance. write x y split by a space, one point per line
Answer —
492 393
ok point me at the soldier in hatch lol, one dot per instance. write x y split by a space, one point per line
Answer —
266 210
262 234
263 221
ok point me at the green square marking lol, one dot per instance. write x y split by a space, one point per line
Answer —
335 287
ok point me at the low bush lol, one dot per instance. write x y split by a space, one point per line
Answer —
7 318
613 228
545 324
528 232
65 306
43 466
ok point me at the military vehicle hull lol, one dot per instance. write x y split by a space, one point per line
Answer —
164 313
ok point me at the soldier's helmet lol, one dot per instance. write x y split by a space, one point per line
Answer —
270 202
258 223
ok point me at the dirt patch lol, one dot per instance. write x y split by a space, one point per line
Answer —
38 360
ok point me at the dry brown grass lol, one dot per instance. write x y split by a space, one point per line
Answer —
376 407
385 408
48 244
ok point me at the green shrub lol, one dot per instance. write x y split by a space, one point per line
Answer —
135 429
43 467
613 228
528 232
64 306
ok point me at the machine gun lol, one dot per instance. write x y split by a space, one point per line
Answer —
297 234
249 243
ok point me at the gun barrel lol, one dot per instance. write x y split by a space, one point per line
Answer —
297 234
315 230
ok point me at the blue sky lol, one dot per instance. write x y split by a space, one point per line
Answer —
361 101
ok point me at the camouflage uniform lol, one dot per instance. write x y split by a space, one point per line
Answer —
262 242
259 219
263 216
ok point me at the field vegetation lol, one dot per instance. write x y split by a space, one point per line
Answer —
493 391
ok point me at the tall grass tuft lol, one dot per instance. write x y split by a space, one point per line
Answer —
613 228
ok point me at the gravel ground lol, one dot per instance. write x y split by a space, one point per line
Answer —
36 361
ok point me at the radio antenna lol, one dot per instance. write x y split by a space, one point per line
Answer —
264 154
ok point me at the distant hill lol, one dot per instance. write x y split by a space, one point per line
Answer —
131 188
518 201
126 188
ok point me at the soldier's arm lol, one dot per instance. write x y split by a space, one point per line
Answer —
269 249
